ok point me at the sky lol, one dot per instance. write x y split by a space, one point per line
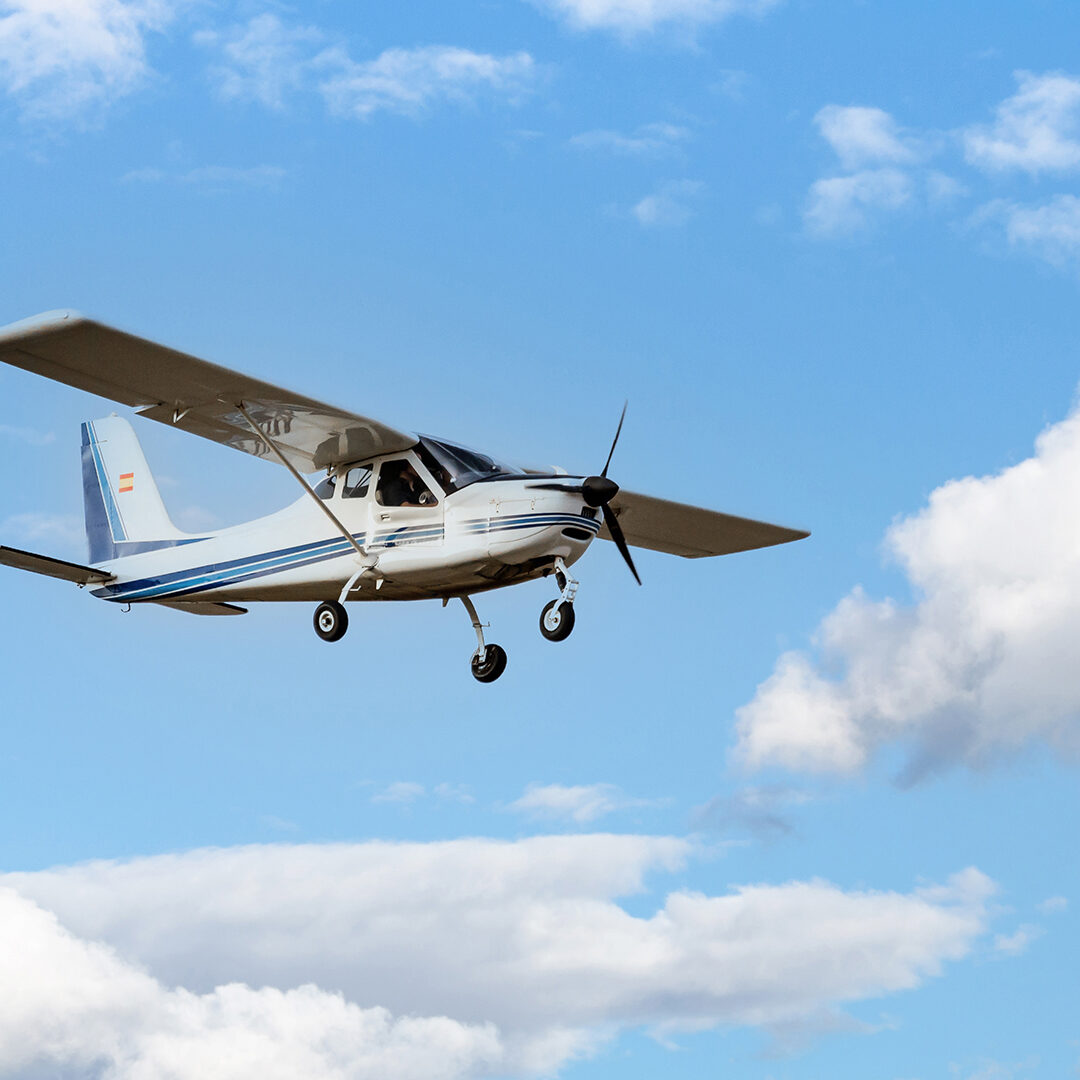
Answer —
796 813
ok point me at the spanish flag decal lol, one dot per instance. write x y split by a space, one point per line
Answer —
127 482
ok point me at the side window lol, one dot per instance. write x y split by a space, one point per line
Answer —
357 481
399 485
325 488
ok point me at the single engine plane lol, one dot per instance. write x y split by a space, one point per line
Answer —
395 516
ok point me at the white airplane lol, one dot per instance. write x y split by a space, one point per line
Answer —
397 516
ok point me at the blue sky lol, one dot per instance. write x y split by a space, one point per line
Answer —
796 813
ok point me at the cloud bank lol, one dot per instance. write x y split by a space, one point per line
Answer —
632 17
454 959
981 666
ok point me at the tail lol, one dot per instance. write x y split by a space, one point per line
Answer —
124 511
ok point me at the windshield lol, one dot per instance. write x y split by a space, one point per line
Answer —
455 466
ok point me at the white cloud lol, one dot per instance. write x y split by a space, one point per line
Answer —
581 803
401 791
629 17
979 667
649 140
845 204
669 206
1036 130
60 58
76 1008
862 136
1050 230
408 81
520 948
454 793
1017 942
264 60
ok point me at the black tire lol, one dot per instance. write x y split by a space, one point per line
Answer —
491 666
331 621
557 620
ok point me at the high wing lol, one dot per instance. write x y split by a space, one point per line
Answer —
50 567
690 531
192 394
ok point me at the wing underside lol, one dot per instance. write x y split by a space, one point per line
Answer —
691 531
191 394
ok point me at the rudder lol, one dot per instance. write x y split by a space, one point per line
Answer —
123 508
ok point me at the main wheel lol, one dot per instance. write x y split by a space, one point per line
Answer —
557 620
491 665
331 621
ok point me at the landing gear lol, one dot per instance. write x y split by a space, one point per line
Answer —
489 661
489 665
331 621
557 619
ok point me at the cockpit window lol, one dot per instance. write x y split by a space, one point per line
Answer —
325 488
400 485
357 481
456 466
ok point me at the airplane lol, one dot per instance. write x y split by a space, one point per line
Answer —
396 516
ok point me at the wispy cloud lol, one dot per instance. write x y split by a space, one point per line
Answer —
30 436
210 176
979 668
263 60
401 792
1049 230
1018 941
580 803
65 58
62 531
1036 130
410 81
633 17
845 204
1053 905
762 810
649 140
268 60
671 205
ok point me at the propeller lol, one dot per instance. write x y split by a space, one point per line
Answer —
598 491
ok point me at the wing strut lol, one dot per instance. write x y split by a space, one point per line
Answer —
320 503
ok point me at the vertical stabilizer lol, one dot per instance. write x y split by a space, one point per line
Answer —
124 511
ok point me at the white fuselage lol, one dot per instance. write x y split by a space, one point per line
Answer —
489 534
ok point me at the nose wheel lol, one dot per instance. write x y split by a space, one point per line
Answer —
331 621
557 618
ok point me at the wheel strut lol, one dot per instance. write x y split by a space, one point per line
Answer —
488 662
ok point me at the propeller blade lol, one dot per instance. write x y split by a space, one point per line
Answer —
613 527
618 432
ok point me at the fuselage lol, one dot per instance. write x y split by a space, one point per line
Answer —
486 535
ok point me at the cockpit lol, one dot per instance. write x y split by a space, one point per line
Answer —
452 467
455 467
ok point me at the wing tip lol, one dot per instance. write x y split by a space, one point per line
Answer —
43 322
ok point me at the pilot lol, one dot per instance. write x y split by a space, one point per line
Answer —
401 486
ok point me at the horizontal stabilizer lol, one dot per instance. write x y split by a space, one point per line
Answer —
202 607
50 567
691 531
192 394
